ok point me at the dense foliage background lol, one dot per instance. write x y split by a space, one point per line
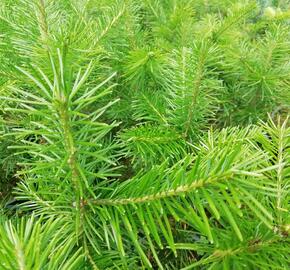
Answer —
139 134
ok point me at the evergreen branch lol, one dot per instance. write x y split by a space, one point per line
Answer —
191 98
195 92
234 19
180 190
279 134
219 255
109 24
43 26
151 144
281 163
18 242
155 110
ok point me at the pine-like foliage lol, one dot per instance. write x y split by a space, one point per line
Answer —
144 134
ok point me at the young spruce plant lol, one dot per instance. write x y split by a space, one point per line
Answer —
144 134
